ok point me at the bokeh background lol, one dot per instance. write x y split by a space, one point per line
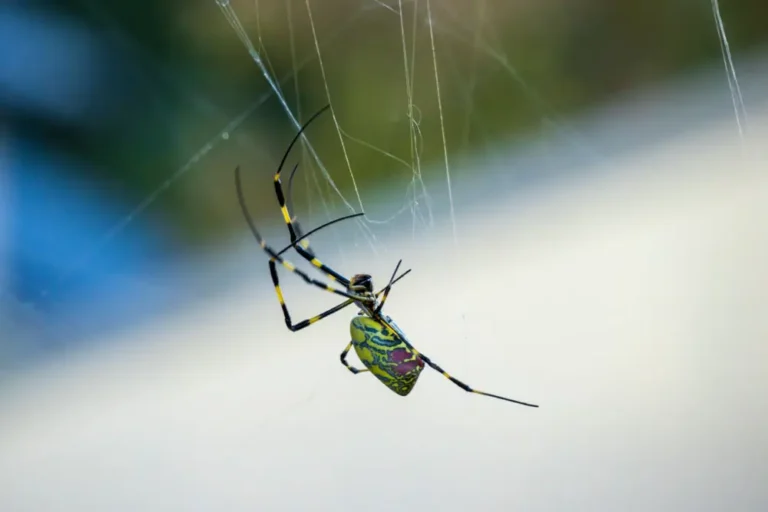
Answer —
105 103
606 191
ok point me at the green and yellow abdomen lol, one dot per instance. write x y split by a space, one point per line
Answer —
385 354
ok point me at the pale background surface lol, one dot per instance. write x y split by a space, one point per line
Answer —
630 305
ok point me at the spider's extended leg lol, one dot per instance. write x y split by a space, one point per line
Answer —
456 381
303 252
345 363
461 384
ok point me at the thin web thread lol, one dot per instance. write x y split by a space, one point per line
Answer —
328 95
442 123
553 117
165 185
342 134
472 81
739 108
412 124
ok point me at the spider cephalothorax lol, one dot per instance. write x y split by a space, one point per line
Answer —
379 343
361 283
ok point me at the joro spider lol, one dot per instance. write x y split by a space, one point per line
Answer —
379 343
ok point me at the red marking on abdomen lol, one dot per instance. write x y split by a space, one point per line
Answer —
399 355
405 361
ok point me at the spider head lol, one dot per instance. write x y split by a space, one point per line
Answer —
361 284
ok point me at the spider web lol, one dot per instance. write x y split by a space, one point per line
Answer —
414 166
427 31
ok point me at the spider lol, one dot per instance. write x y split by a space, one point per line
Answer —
379 343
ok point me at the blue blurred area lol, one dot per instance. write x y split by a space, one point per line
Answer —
58 222
49 65
56 257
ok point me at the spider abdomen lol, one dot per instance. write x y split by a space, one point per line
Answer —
386 354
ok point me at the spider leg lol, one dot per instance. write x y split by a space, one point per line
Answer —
302 239
315 230
304 252
309 321
343 358
463 386
296 225
275 257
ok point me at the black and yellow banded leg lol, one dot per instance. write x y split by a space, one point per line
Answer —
463 386
294 220
343 358
291 267
304 323
303 252
275 257
301 248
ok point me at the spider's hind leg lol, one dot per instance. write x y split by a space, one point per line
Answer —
463 386
343 358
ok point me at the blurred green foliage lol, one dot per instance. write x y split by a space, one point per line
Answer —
504 67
